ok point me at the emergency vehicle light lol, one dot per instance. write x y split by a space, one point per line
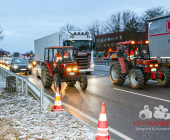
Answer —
132 42
147 42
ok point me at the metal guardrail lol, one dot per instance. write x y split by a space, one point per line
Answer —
27 86
101 60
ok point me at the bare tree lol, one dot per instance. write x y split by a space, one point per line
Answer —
113 24
69 27
95 28
152 13
1 34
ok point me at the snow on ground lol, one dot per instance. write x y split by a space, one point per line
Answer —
22 119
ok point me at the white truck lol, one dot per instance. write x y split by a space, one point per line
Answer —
158 35
81 42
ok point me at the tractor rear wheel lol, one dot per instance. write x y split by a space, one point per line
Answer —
116 75
136 78
45 77
165 81
83 82
72 83
57 82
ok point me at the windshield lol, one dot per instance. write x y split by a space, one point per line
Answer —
20 61
80 45
64 55
137 51
9 59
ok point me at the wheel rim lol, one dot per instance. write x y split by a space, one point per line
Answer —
114 72
133 78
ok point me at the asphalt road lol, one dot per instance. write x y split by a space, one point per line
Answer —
123 105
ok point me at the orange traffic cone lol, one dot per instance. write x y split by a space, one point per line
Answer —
58 105
102 130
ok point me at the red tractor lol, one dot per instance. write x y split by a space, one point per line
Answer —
59 66
133 59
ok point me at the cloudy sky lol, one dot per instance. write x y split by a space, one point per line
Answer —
24 21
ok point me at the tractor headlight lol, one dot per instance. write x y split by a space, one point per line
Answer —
150 65
75 69
29 66
68 69
34 63
15 66
91 65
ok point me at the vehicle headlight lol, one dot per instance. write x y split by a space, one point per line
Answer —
34 63
29 66
68 69
7 62
91 65
75 69
15 66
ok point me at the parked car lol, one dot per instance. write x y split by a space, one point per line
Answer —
8 61
38 68
3 61
20 66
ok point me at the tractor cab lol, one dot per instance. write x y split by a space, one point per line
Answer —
131 50
63 54
60 66
133 59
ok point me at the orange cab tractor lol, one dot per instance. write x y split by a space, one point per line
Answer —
59 66
133 59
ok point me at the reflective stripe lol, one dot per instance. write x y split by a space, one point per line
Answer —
58 103
102 117
102 132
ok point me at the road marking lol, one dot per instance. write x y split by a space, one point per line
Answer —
142 95
92 119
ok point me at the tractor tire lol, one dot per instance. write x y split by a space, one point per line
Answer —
45 77
165 82
57 82
88 72
136 78
83 82
30 72
145 80
71 84
116 75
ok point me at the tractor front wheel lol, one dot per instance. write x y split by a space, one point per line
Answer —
165 81
136 78
45 77
116 75
83 82
57 82
71 84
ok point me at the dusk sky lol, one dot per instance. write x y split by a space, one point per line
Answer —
24 21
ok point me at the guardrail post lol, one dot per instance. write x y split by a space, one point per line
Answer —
16 83
26 88
22 85
41 97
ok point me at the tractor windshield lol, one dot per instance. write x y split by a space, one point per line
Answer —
137 51
63 55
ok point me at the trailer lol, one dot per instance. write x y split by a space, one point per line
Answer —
158 35
81 42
